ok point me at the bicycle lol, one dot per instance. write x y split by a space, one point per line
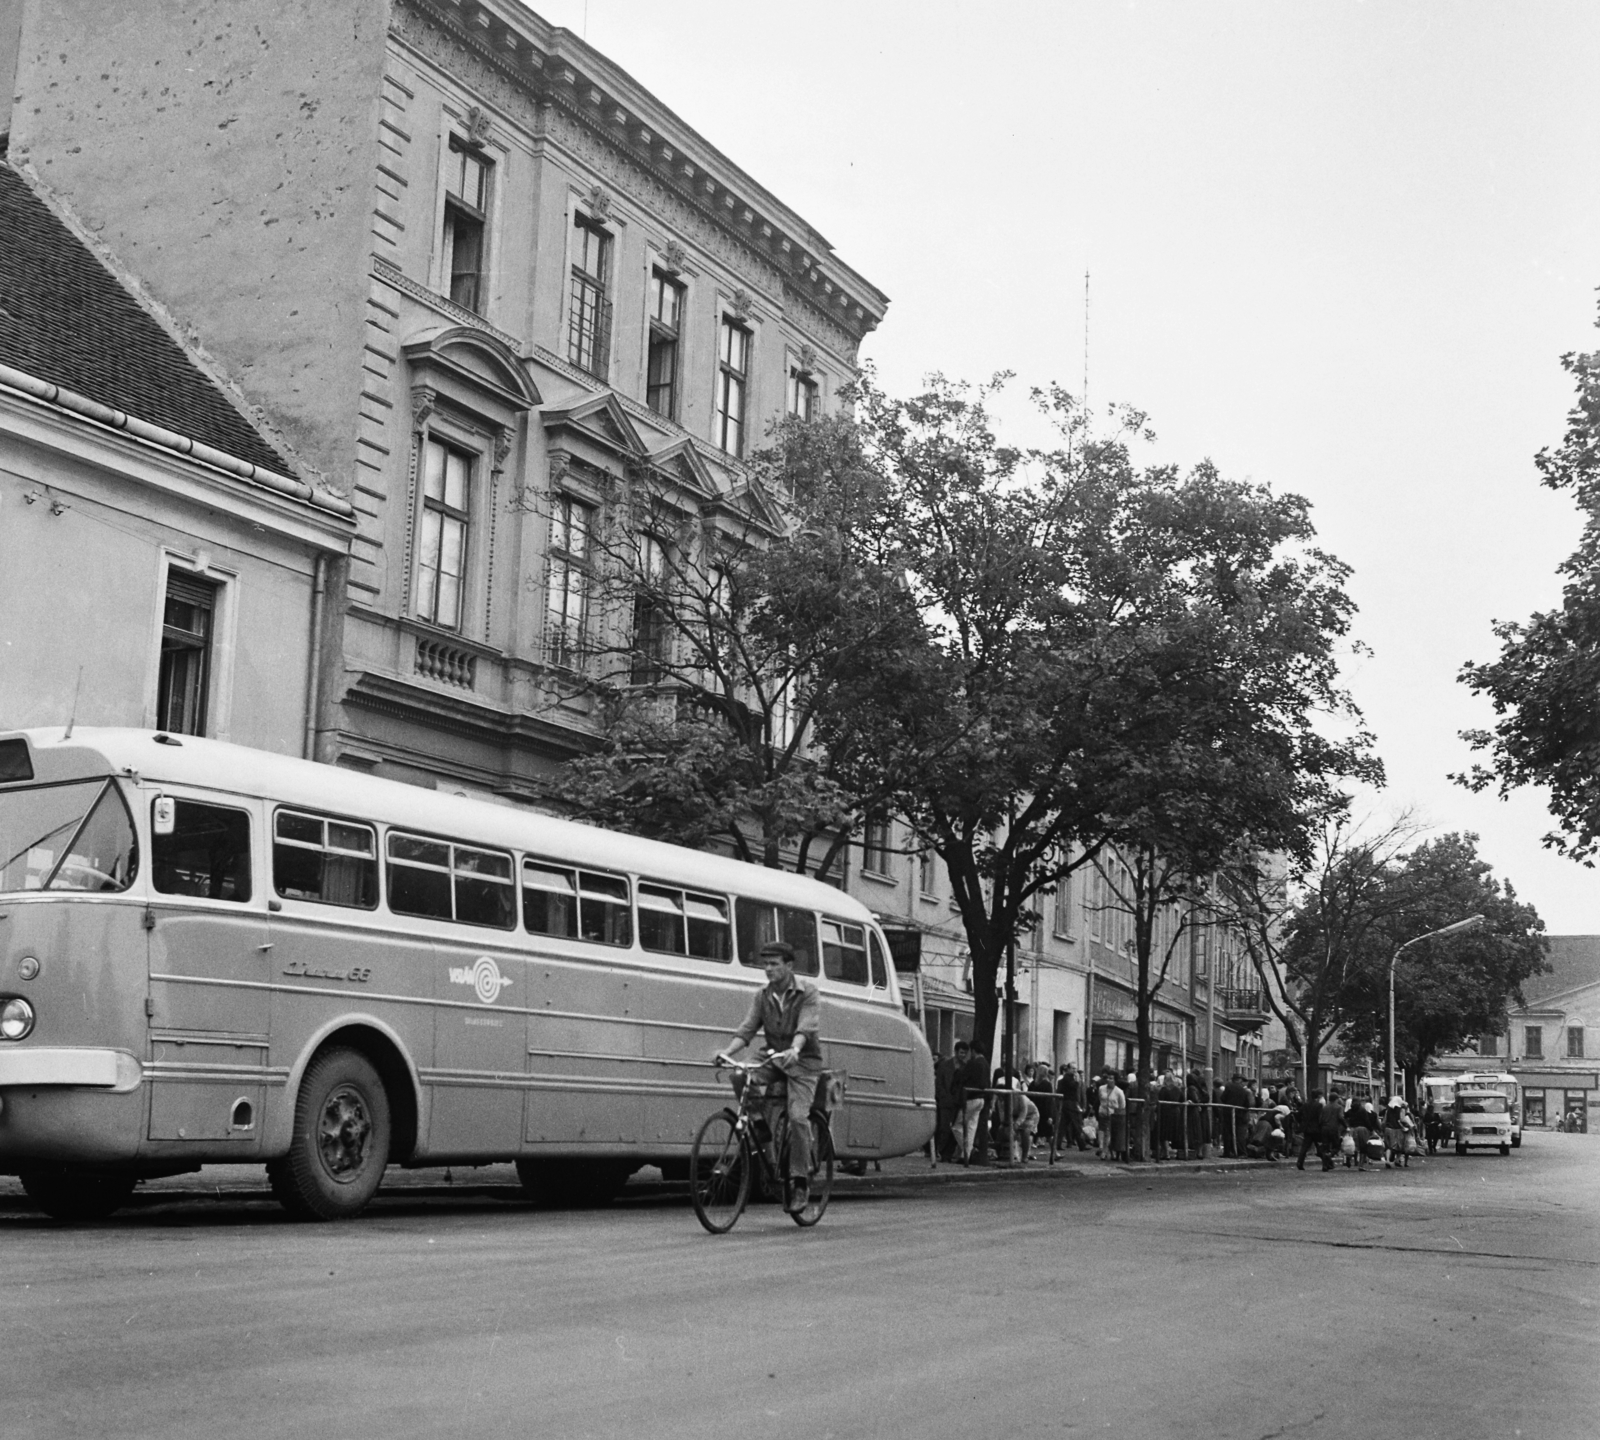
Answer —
732 1148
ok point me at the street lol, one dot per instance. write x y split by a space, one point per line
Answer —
1456 1299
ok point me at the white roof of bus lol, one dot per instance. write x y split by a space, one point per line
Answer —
217 765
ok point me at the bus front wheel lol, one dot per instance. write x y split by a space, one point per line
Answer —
340 1146
76 1195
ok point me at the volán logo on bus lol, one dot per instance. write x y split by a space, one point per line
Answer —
484 977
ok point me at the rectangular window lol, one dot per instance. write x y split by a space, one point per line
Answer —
1533 1041
651 634
927 872
186 627
733 378
880 963
1488 1044
758 923
679 922
445 881
466 213
575 904
661 367
207 854
334 862
568 589
1062 921
844 952
875 845
1574 1042
589 312
442 555
802 394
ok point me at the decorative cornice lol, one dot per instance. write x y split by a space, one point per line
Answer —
509 67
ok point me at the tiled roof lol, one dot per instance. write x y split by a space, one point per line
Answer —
66 319
1574 960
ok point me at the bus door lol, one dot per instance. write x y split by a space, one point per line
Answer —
209 957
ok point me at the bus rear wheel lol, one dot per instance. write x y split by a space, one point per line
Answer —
340 1146
75 1194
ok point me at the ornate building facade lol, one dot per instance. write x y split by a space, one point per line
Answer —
469 277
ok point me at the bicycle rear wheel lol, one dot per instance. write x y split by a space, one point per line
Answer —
821 1174
719 1173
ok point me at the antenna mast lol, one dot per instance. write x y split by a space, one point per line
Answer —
1086 341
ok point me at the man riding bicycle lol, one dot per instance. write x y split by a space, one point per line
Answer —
789 1010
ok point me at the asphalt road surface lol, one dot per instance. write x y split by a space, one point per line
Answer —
1456 1299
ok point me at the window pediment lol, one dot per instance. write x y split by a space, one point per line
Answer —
475 372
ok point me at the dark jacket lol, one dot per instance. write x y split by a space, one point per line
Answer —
973 1078
946 1088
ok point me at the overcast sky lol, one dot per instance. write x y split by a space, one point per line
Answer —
1336 248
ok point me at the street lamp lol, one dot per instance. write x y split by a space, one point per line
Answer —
1388 1062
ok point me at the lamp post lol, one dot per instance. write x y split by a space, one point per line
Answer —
1388 1063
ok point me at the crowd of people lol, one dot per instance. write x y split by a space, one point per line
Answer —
983 1114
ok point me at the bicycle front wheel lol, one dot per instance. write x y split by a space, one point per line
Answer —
719 1173
821 1174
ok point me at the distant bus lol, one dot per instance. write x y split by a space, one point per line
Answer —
210 954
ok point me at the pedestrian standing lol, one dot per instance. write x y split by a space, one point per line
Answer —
1237 1097
1311 1130
972 1078
946 1101
1070 1088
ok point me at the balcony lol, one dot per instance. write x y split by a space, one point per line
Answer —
1244 1009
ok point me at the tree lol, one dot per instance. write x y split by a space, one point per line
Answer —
1544 682
1110 654
1450 990
717 632
1311 923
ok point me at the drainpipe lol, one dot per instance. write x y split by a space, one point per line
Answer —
313 698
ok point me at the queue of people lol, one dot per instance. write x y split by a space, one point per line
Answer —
1168 1115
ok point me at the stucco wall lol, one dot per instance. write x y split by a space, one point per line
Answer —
109 534
222 151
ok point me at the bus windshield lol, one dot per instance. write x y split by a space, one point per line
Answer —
77 836
1481 1104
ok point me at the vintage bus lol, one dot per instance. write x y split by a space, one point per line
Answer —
210 954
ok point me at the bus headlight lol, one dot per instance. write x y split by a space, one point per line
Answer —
16 1018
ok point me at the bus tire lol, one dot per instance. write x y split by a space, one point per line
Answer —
77 1195
340 1145
1517 1140
1461 1149
1505 1149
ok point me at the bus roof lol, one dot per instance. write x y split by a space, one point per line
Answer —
218 765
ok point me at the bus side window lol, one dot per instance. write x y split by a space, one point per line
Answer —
709 934
603 911
799 928
549 900
844 952
756 922
331 861
661 919
419 877
207 854
485 891
880 968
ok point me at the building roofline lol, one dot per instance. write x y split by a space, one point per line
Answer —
558 67
59 397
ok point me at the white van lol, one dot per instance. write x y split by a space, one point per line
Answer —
1482 1117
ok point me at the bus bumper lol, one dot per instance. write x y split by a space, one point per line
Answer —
41 1065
